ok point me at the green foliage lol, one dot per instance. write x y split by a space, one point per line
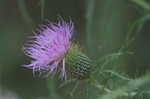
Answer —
142 3
131 89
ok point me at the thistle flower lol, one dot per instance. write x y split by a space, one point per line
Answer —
49 47
52 50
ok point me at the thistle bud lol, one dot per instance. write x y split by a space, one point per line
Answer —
78 64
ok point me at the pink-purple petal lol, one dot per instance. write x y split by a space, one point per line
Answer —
48 48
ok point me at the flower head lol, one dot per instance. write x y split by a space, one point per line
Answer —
48 48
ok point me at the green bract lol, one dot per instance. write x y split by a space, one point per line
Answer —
78 64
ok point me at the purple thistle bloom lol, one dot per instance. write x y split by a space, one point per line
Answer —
49 47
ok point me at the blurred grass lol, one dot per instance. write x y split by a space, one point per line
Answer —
89 24
24 12
42 2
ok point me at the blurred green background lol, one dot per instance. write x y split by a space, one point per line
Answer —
102 27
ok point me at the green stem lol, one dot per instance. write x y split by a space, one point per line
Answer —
51 89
